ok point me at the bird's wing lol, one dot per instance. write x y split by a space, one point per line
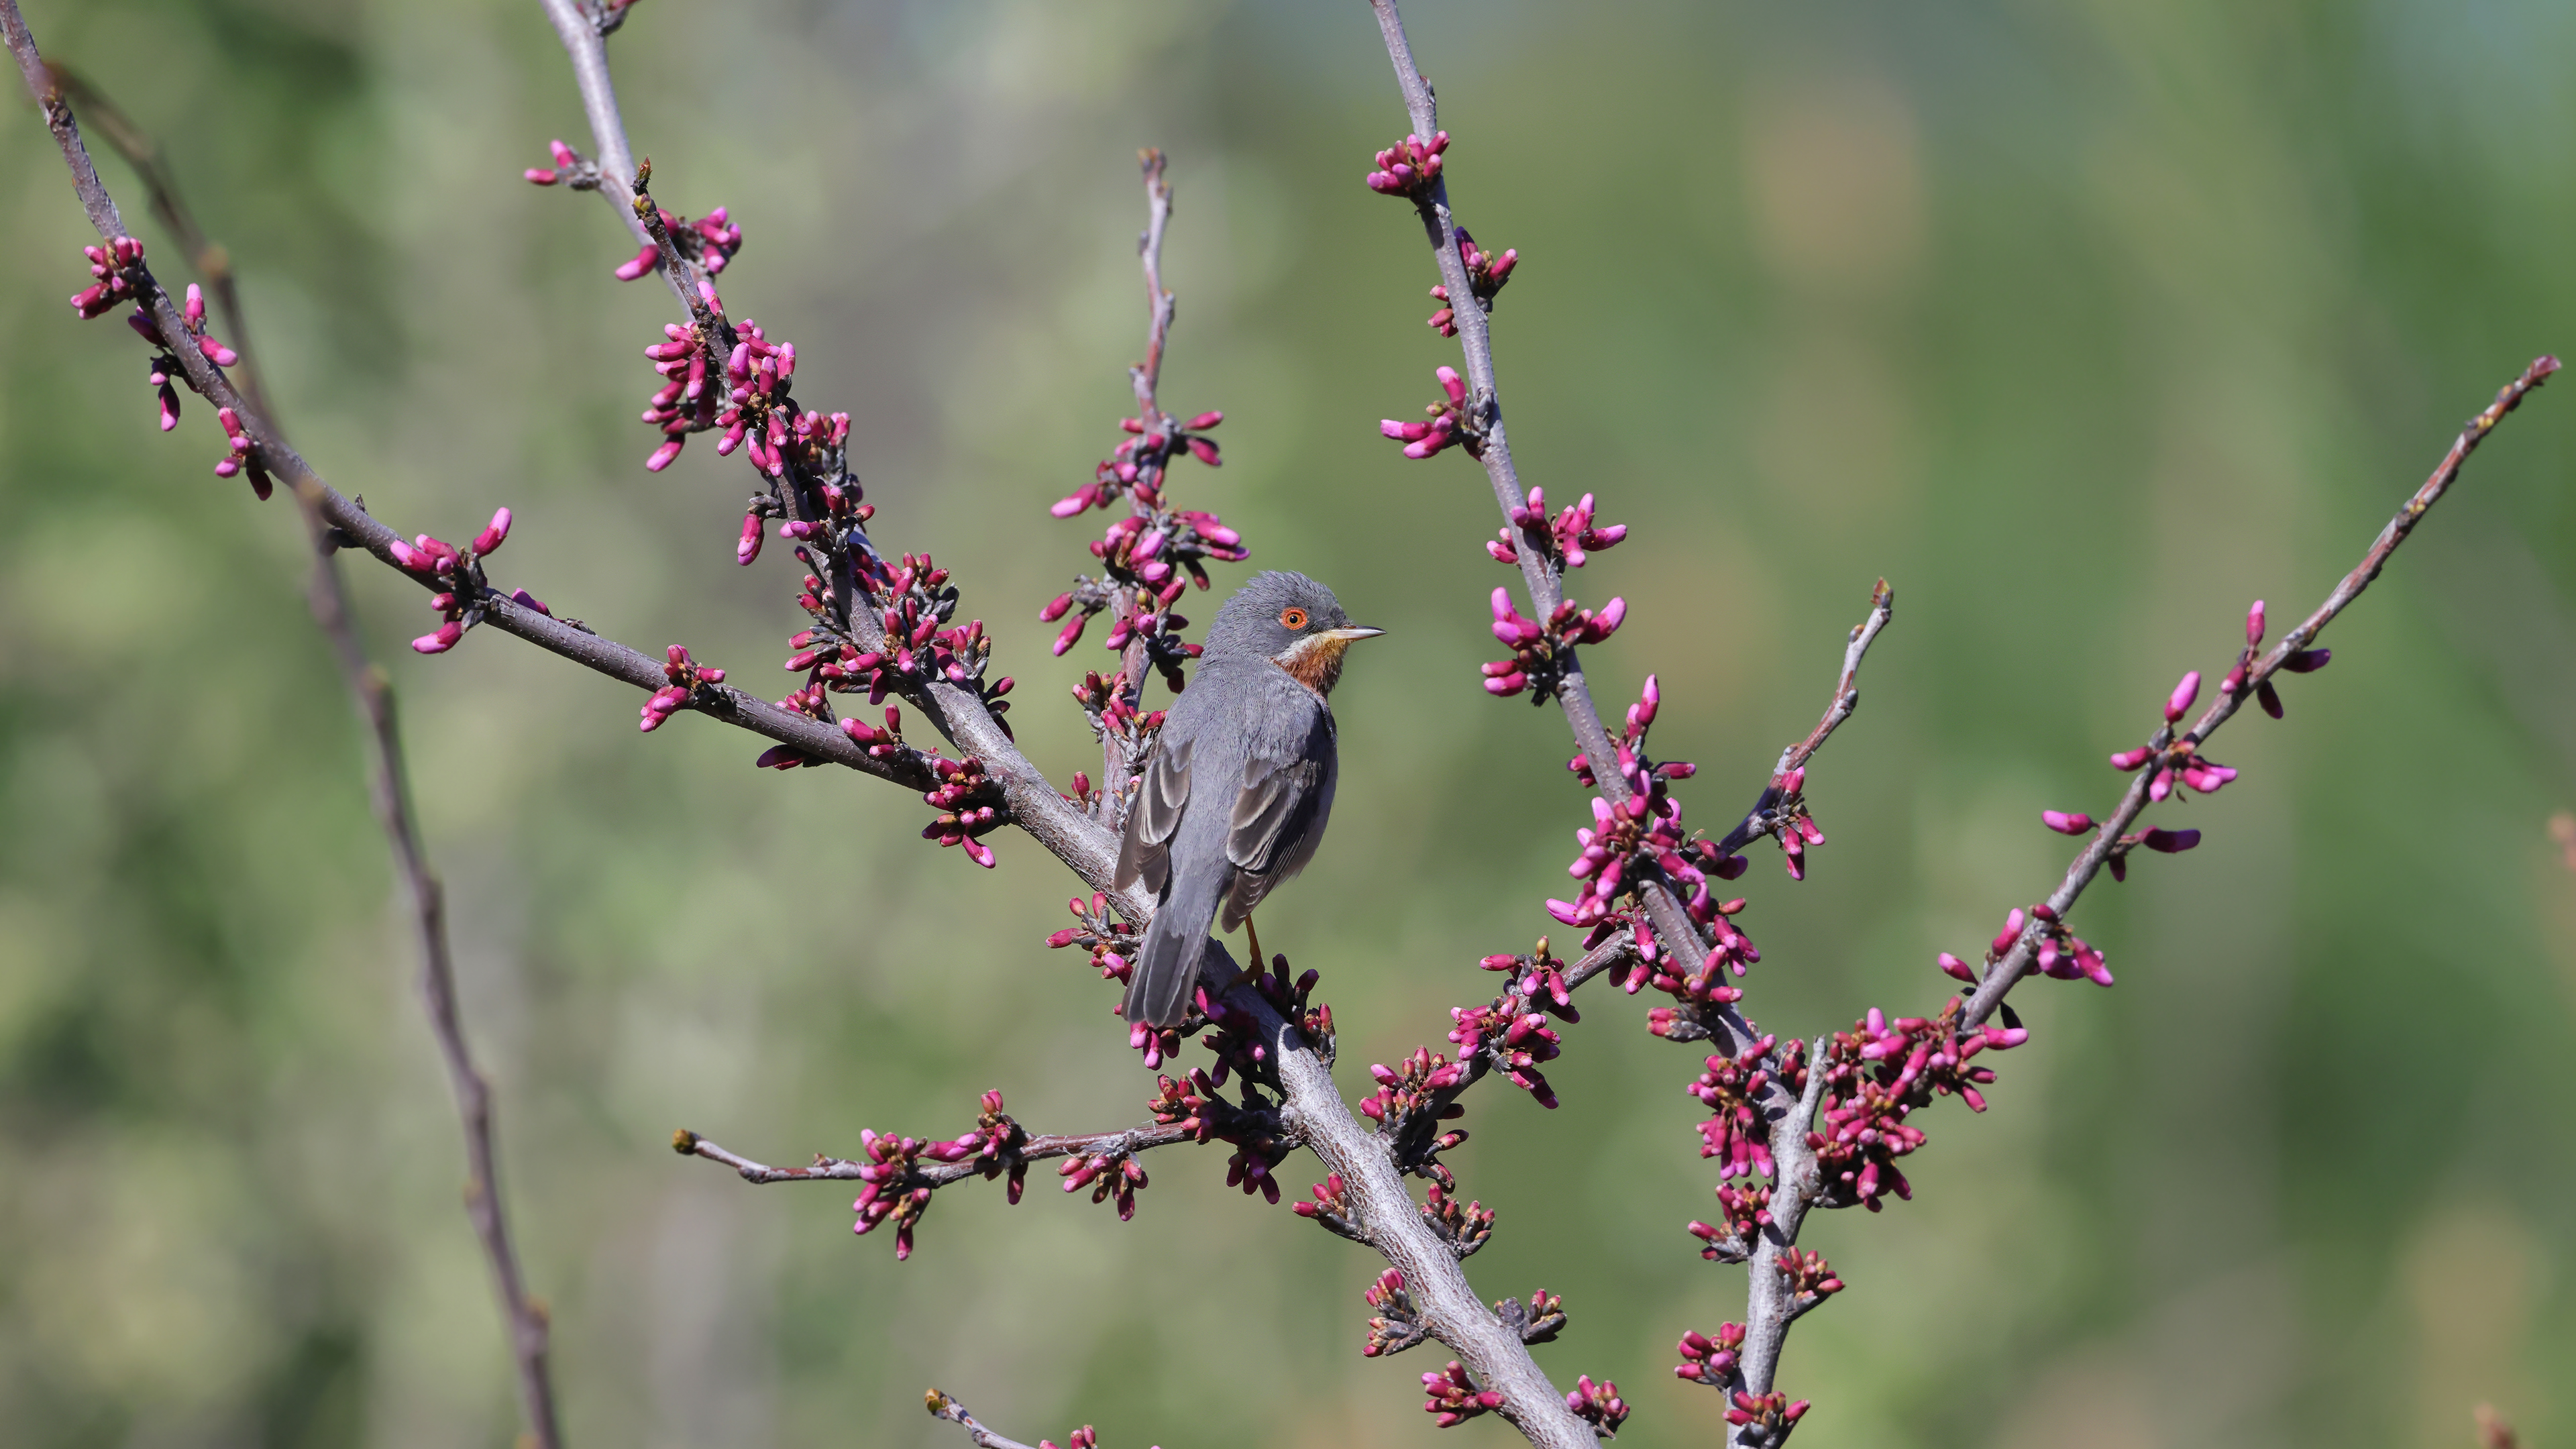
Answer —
1278 819
1145 852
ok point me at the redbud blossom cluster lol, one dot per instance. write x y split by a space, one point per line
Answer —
686 675
571 168
710 242
1597 1404
1397 1324
1876 1075
1455 1398
1569 539
1408 167
1486 274
1708 1360
1513 1032
460 603
1111 941
1536 648
1137 465
895 1188
1446 421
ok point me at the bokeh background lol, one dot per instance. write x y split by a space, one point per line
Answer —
2083 323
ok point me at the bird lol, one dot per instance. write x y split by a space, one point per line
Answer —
1234 796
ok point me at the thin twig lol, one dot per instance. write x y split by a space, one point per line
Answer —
371 694
943 1407
1758 820
1125 1143
1117 761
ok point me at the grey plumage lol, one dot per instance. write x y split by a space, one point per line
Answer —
1235 796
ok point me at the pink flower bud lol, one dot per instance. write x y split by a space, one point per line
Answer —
1204 421
442 641
2127 760
748 548
1452 384
2254 623
539 175
2183 694
494 534
1953 966
663 455
644 261
2065 824
2306 661
2170 842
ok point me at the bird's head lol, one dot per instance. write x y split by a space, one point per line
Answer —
1292 621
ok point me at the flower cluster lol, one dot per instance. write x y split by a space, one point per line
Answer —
1512 1033
1642 833
1876 1075
1781 813
710 241
1537 649
2180 762
571 168
894 1187
970 803
1150 556
1412 1097
1811 1280
1397 1324
686 675
1445 422
1455 1398
1598 1405
1137 465
1486 274
1331 1207
2297 661
1111 942
1538 1321
117 267
1734 1130
2061 954
460 603
752 410
1568 539
1409 167
1465 1228
1769 1417
1003 1140
1744 1213
1109 1175
1710 1361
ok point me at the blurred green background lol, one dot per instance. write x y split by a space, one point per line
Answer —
2083 323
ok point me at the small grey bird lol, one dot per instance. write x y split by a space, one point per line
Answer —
1234 797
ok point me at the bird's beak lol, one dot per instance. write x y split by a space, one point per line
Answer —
1348 636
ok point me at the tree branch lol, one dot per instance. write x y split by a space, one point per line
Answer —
371 694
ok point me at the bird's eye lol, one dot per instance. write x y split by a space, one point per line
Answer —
1293 618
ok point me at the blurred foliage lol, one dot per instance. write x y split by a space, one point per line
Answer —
2084 324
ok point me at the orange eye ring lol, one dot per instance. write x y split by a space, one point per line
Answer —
1292 618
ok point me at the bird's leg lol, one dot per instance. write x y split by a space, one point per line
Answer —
1258 964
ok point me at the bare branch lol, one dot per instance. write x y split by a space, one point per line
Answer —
1787 778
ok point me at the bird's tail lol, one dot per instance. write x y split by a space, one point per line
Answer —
1167 967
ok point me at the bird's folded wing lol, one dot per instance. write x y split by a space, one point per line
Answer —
1144 853
1278 817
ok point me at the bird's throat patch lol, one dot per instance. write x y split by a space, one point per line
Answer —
1314 661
